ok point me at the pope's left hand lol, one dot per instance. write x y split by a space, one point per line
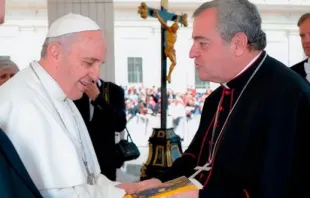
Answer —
92 91
187 194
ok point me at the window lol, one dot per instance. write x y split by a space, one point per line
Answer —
135 73
200 84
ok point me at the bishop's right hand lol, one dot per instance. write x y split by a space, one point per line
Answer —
131 188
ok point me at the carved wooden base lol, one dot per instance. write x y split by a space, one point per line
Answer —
164 148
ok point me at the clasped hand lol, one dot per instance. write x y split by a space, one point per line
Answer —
92 91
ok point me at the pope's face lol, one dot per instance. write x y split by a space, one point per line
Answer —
2 11
80 66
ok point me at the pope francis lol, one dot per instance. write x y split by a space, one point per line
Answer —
39 117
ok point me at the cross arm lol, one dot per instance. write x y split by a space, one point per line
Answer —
166 16
160 19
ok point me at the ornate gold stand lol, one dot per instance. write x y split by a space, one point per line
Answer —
164 149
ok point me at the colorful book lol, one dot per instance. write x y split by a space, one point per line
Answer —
164 190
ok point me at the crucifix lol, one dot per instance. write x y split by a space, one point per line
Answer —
199 169
165 145
168 40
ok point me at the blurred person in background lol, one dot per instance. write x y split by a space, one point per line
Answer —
103 110
7 69
303 68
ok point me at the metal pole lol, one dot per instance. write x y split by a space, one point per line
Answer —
163 90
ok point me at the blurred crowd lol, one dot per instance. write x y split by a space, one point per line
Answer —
141 100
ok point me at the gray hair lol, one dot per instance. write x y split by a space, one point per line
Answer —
63 39
236 16
303 18
5 61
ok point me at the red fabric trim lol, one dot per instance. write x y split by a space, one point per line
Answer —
204 140
246 193
216 149
190 154
231 99
205 137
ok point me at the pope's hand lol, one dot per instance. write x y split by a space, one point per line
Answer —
131 188
186 194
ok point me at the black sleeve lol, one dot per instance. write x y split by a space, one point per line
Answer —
6 190
116 108
184 166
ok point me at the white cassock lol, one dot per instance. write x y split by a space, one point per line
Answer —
47 131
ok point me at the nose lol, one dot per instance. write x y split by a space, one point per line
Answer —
95 72
193 53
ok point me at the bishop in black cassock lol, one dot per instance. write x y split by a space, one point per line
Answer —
262 151
253 137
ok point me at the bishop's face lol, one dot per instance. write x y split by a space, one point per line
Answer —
2 11
304 32
211 53
81 65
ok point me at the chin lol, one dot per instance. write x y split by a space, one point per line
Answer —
204 78
75 96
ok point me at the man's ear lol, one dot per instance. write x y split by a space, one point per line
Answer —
53 51
2 11
239 43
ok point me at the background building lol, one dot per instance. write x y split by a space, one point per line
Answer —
137 41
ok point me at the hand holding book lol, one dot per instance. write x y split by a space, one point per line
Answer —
177 188
131 188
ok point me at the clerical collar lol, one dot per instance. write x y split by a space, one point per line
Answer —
246 71
49 83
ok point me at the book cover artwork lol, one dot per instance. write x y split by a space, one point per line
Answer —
169 188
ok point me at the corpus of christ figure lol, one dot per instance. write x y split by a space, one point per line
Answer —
171 37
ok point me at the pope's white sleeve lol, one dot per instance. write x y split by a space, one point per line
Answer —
104 188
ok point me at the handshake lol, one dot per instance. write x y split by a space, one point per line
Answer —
181 187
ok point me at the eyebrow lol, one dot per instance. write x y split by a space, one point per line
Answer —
200 38
93 60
